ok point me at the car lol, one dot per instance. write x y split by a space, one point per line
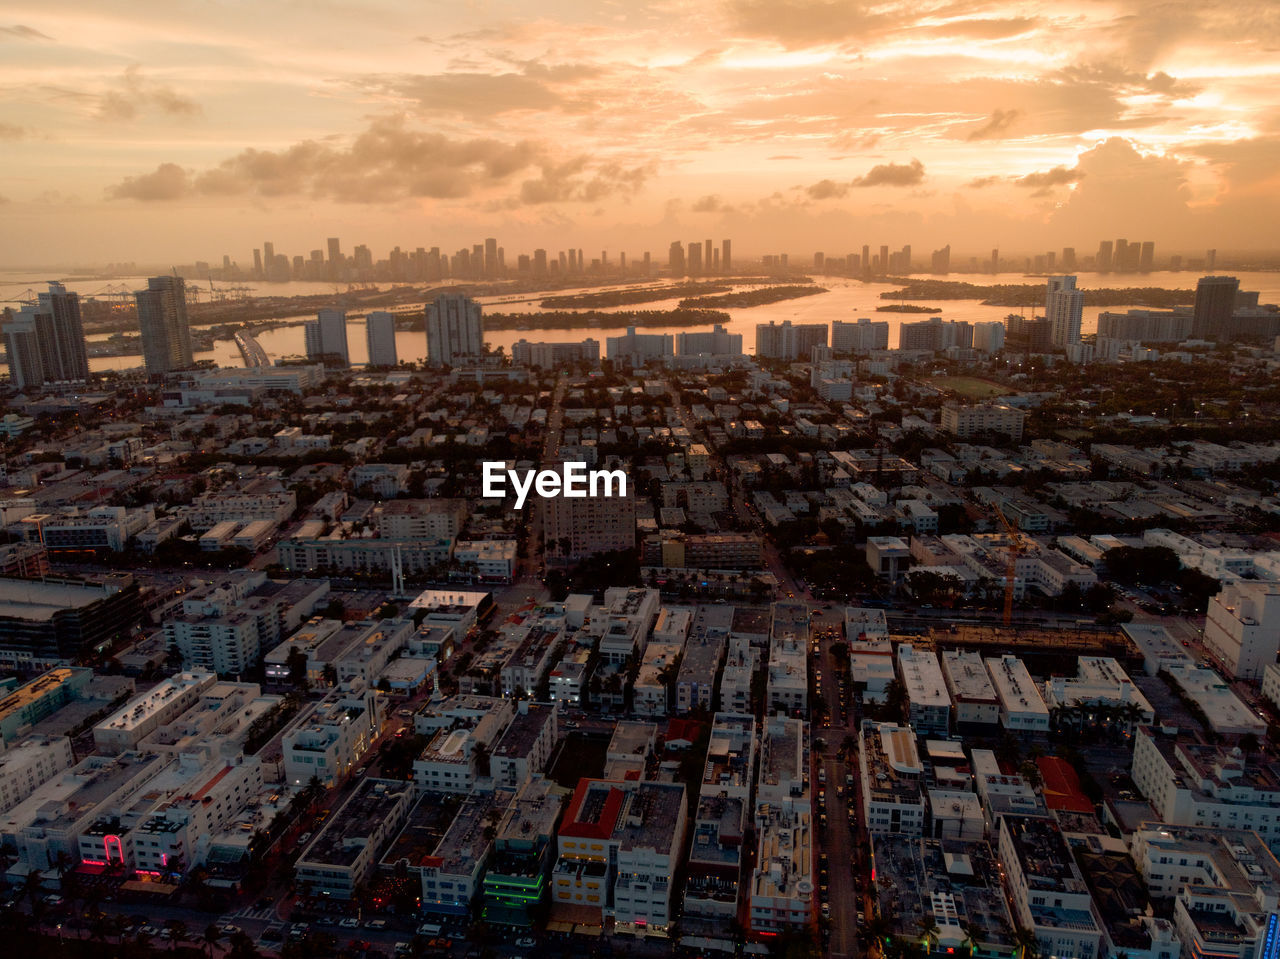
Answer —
149 930
376 924
304 838
358 945
53 899
403 948
826 910
350 922
229 929
526 942
441 943
273 933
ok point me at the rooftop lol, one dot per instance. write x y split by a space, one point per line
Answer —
349 830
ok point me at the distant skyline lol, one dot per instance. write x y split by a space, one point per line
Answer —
163 133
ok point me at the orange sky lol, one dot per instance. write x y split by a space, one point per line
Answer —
161 131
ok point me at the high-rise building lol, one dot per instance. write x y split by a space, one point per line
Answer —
695 258
26 370
707 254
861 337
490 257
257 263
884 258
539 263
995 260
787 341
454 329
940 262
726 256
935 333
1147 256
1068 258
326 336
1121 257
380 335
576 528
46 341
166 332
1103 259
1063 308
1215 302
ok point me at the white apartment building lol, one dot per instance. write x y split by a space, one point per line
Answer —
1048 893
525 748
1100 685
1242 628
649 694
782 887
972 692
491 560
892 794
334 737
344 852
928 701
965 422
124 729
1193 785
1224 883
1022 709
29 765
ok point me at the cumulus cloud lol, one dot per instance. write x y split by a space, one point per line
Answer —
711 203
391 161
977 183
168 181
573 181
1044 181
892 174
826 190
24 32
996 126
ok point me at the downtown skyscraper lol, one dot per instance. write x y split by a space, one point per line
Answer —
166 331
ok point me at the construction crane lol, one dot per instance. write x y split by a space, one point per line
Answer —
1017 547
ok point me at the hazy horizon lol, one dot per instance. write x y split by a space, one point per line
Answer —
160 134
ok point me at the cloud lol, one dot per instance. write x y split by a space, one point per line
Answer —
391 161
24 32
168 181
474 94
826 190
977 183
136 93
11 131
996 126
892 174
572 181
797 23
989 28
711 203
1044 181
4 199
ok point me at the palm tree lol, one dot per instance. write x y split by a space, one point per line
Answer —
928 931
177 932
1027 943
210 938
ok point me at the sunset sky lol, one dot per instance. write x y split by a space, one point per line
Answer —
170 131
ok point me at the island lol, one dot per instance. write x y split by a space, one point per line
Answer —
747 298
907 308
1032 294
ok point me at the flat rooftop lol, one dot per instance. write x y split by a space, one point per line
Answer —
524 731
49 684
347 831
31 599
